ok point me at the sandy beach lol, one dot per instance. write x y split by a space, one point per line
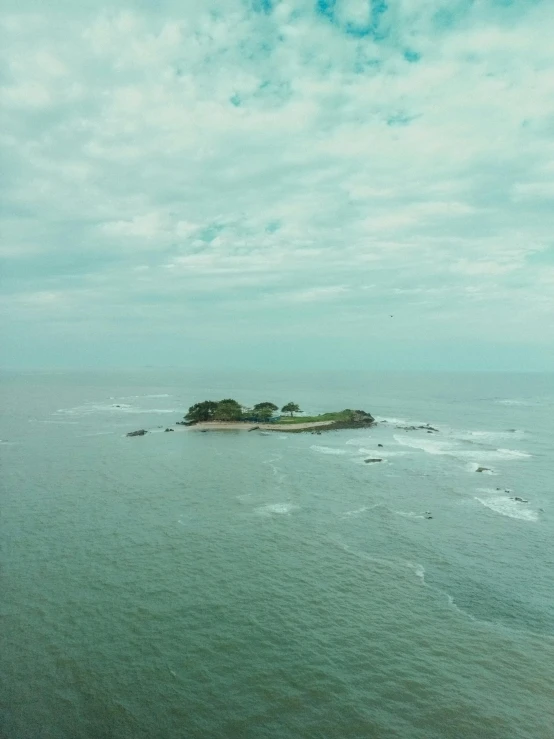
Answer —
238 426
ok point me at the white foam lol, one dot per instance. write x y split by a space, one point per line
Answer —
357 442
446 448
90 408
418 570
136 397
488 436
431 446
380 452
408 514
384 419
282 509
512 401
493 455
357 511
328 450
507 507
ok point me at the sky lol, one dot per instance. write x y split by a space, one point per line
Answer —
313 184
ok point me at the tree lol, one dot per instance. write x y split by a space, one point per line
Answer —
228 410
291 408
230 401
272 407
263 414
201 411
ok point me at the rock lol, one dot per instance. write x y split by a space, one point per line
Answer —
166 431
379 445
372 459
482 469
318 433
254 428
520 500
428 517
140 432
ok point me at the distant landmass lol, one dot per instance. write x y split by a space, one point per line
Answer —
215 415
229 414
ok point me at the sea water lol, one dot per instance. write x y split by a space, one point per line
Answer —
237 584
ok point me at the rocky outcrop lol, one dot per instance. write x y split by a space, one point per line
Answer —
372 459
482 469
424 427
167 430
140 432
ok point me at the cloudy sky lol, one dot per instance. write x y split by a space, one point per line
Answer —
313 183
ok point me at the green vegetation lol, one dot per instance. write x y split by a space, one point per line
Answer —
345 416
200 412
291 408
260 406
229 409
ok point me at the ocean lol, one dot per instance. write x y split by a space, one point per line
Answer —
276 585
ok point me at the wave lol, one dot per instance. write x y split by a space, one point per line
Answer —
445 448
507 507
431 446
89 409
328 450
380 453
98 433
279 508
513 401
408 514
355 512
484 437
137 397
419 570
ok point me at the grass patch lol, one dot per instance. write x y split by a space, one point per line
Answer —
345 415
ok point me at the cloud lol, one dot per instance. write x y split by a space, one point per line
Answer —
242 161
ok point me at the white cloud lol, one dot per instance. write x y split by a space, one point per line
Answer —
283 156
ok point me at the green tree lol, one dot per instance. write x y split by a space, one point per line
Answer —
291 408
263 414
272 407
201 411
228 410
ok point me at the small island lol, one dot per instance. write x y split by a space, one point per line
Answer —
229 414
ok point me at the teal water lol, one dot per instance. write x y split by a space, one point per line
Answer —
247 585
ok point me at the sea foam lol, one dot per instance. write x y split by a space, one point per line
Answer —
506 506
328 450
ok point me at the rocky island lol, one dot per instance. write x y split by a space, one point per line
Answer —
228 414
